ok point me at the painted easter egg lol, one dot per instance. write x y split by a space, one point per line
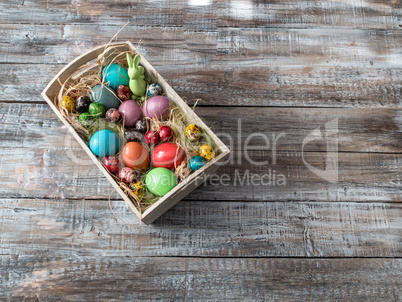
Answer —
86 119
207 152
160 181
165 133
111 163
104 143
154 89
135 156
96 110
82 103
130 113
152 138
193 133
133 135
123 92
112 115
168 155
141 125
196 162
68 103
105 96
138 188
115 75
128 175
157 107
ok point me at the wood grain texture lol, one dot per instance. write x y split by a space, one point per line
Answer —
189 279
309 240
65 172
41 159
294 67
281 129
64 228
200 15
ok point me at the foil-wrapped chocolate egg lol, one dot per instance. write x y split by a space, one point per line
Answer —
193 133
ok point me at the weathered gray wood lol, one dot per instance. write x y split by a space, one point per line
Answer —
202 229
283 67
40 159
359 130
194 279
231 53
68 172
289 14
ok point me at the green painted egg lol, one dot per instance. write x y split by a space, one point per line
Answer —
160 181
86 119
97 110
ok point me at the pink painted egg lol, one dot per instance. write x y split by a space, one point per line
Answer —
157 107
130 113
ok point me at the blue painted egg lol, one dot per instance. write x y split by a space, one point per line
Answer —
105 96
197 162
115 75
104 143
154 89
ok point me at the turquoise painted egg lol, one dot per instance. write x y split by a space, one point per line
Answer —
154 89
115 75
196 162
105 96
104 143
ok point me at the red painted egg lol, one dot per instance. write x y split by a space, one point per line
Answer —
168 155
135 156
152 138
111 163
165 133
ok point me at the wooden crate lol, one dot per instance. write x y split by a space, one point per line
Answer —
183 188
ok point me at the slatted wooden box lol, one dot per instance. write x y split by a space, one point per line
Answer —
183 188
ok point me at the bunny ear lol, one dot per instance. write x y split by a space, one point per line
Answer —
137 60
129 60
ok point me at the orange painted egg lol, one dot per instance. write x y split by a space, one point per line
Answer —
135 156
168 155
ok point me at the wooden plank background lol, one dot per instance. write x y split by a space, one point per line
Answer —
281 68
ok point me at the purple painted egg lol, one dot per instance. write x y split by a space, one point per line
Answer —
157 107
130 113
